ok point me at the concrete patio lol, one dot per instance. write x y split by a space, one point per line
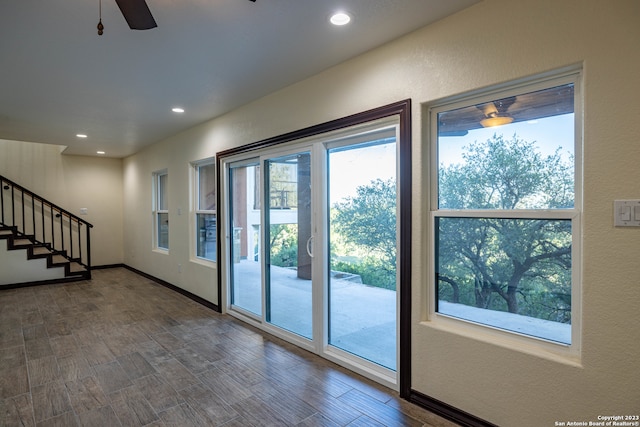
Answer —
362 318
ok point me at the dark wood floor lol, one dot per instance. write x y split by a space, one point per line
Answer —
123 350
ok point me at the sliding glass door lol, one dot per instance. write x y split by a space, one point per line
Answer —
362 248
312 237
288 239
245 269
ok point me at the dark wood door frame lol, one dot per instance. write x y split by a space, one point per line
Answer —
403 110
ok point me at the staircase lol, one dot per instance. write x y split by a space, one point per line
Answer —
44 243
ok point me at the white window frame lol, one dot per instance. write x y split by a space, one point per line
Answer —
196 211
568 353
158 210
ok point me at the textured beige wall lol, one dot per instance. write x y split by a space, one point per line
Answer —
174 155
501 40
492 42
73 182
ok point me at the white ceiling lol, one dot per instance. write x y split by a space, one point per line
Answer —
59 78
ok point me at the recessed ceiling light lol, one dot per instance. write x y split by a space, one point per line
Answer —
81 135
340 18
100 152
177 110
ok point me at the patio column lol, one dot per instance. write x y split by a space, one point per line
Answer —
304 215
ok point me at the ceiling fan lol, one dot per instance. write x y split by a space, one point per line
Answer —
136 13
495 113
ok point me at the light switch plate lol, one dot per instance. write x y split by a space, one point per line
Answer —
626 213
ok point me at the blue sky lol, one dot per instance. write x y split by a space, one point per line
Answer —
353 168
549 133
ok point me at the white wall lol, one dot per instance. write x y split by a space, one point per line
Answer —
16 268
73 182
492 42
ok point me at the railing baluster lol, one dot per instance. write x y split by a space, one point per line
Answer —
13 207
24 226
2 199
33 217
70 238
53 232
80 242
61 231
44 233
88 265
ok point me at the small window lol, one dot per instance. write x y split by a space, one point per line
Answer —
506 209
205 210
161 210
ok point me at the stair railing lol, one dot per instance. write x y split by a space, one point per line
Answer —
43 222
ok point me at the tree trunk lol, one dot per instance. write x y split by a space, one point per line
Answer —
483 291
512 300
454 286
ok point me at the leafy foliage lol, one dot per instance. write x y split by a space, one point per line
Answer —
507 174
284 245
360 244
373 271
368 219
363 237
520 265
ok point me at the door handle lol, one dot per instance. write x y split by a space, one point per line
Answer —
309 240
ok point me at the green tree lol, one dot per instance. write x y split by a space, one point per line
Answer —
284 245
520 265
368 219
365 225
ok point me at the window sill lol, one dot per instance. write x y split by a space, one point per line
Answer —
555 352
204 262
555 332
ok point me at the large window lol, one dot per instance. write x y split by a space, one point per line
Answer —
205 209
161 209
506 208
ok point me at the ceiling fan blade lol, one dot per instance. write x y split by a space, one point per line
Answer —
137 14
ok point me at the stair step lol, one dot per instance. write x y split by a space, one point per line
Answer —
58 259
75 268
40 252
22 242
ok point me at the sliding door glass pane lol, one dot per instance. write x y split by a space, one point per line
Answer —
288 238
362 242
246 276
